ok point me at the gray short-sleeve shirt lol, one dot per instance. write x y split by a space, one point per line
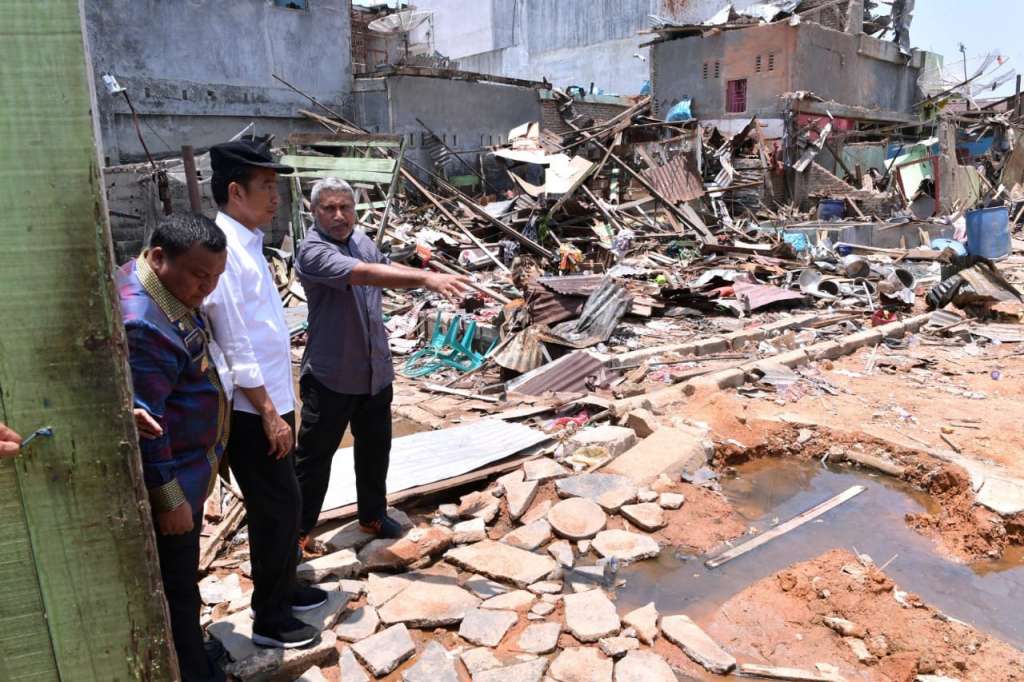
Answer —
347 349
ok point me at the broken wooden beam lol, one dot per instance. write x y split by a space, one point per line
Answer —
782 529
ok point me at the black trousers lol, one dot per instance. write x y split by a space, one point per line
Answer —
325 416
272 503
179 568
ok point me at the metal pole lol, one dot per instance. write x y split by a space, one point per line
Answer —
191 178
1018 97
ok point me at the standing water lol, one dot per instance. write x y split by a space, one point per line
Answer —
987 595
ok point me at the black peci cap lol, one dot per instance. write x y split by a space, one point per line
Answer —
227 156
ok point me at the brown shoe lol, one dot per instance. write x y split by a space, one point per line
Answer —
310 547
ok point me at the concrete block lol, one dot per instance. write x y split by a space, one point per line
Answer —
669 450
616 439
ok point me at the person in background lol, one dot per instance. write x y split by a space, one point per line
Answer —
178 392
249 325
346 370
10 442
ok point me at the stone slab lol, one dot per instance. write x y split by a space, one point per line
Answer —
282 664
519 497
485 588
235 631
468 532
625 545
615 439
479 659
539 638
517 600
350 668
617 647
428 603
647 516
434 664
314 674
529 537
643 666
577 518
386 650
536 512
671 500
486 627
349 536
544 469
500 561
590 615
696 644
611 491
359 624
581 664
393 555
527 671
645 621
561 551
669 450
340 564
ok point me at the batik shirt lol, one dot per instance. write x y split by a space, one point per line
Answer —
175 380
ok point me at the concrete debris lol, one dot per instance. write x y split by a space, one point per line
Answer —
479 659
341 564
502 562
608 490
542 609
647 516
625 546
386 650
434 664
590 615
481 504
314 674
561 550
392 555
642 422
215 589
645 621
536 512
617 647
539 638
544 469
264 664
468 532
517 600
527 671
428 604
669 450
486 627
350 668
696 644
359 625
581 664
519 497
643 666
529 537
485 588
671 500
349 536
615 439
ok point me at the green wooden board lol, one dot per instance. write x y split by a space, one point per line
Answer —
351 175
339 163
80 596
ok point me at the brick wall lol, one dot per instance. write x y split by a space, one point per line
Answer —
830 15
821 184
552 122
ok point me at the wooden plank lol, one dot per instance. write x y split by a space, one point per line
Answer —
339 163
81 597
770 672
344 139
350 175
782 529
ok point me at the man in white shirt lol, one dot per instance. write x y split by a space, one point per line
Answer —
249 325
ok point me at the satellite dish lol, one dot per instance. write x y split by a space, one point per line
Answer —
399 22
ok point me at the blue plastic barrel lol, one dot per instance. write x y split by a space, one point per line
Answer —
831 209
988 232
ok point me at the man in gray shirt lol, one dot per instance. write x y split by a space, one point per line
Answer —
346 369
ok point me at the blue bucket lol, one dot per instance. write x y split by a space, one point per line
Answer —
831 209
988 233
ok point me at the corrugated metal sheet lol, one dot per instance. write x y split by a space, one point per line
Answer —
549 308
676 181
757 296
601 314
424 458
567 373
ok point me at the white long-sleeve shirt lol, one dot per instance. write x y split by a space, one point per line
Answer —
248 320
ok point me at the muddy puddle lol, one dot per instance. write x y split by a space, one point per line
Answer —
987 595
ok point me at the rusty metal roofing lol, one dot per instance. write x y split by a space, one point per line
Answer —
676 181
757 296
570 372
548 308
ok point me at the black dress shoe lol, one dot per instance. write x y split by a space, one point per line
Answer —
307 598
291 634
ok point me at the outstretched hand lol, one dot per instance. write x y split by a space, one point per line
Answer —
452 287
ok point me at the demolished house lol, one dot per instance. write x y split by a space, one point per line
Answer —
733 392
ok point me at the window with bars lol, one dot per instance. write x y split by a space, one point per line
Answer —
705 70
771 62
718 69
757 64
736 96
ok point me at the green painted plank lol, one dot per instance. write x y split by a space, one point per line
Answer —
355 143
338 163
80 596
350 175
